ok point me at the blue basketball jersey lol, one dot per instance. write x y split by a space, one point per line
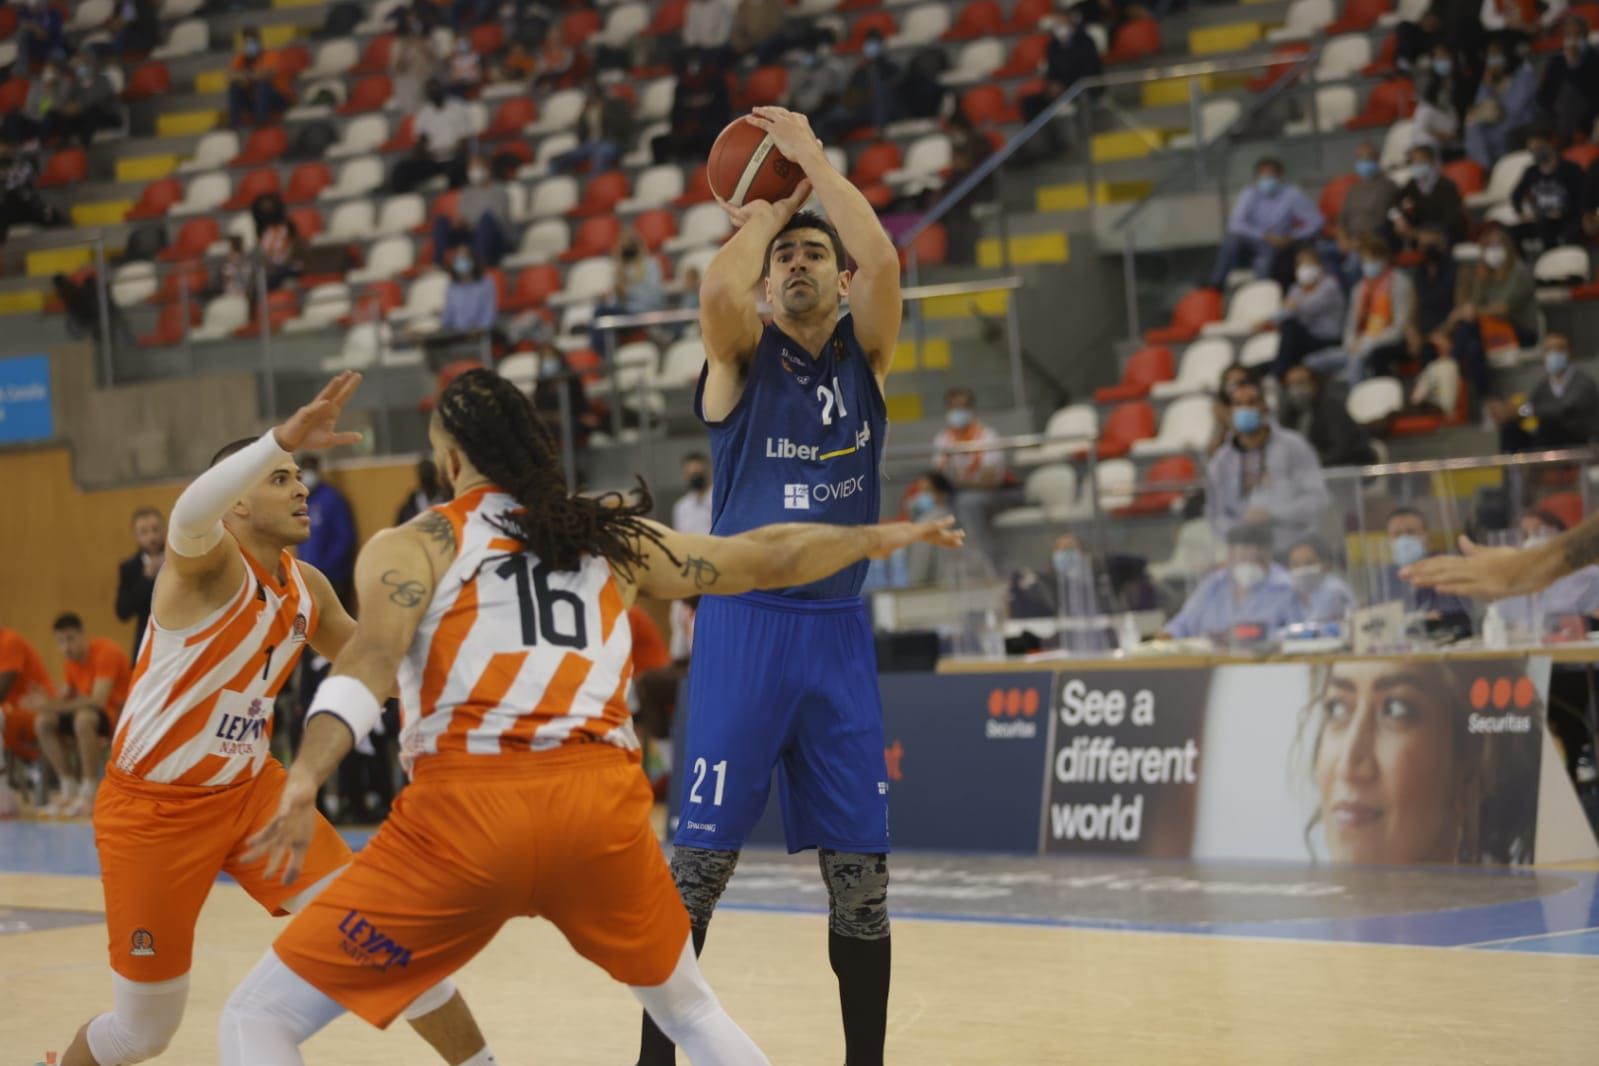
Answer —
804 443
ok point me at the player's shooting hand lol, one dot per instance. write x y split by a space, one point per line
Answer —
941 532
1486 573
774 215
286 838
790 131
313 426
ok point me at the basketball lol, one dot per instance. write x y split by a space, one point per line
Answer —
745 165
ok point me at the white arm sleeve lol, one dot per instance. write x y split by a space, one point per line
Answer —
196 525
348 700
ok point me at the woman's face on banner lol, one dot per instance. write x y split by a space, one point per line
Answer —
1385 766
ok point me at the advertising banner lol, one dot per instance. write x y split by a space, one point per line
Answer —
25 411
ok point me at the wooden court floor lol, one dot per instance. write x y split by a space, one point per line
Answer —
964 992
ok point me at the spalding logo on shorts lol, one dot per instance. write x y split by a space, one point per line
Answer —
143 942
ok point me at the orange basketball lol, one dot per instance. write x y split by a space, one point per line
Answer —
745 166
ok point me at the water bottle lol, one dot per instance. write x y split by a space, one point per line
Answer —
1495 634
1128 636
992 640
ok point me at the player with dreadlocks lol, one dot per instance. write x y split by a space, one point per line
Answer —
504 615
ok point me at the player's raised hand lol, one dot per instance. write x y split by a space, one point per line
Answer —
1486 573
790 131
941 532
314 425
776 215
285 839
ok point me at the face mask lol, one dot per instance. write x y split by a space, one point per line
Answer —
1067 561
550 367
959 418
1371 269
310 480
1302 395
1442 67
1425 175
697 483
478 175
921 505
1494 255
252 48
1306 578
1555 360
808 60
1307 273
1408 549
1267 184
463 265
462 47
1366 168
1248 575
1246 420
873 49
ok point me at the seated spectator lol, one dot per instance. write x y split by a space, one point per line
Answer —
1269 221
1366 204
235 274
554 61
1548 198
1576 594
708 29
1071 56
933 499
518 65
1428 199
38 118
1250 590
40 35
1434 282
1408 543
757 29
639 289
1436 120
977 473
1496 307
259 82
921 93
483 218
97 677
89 105
869 94
1221 405
1380 310
604 131
1563 407
1265 475
1319 594
1310 409
465 71
470 301
412 65
277 241
556 377
701 109
135 27
1568 96
1078 579
20 202
443 134
1312 314
1507 102
813 87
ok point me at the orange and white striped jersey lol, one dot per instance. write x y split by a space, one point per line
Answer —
512 656
200 711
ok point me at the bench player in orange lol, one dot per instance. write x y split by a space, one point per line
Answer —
97 677
190 776
24 687
504 614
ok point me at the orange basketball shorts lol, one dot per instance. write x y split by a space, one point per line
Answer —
477 840
161 848
21 741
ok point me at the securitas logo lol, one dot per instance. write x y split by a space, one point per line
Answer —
783 448
798 497
1502 705
367 944
1012 714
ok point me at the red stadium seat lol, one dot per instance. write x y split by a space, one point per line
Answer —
519 150
13 93
68 166
874 162
1125 424
1194 310
404 138
1384 63
9 17
1024 58
596 236
510 118
985 105
1166 480
932 248
196 235
1389 102
1026 15
1135 40
534 286
375 57
601 195
369 94
1286 56
668 18
250 186
487 38
1358 17
579 26
1582 154
446 204
1566 506
1466 174
374 301
979 18
170 328
295 59
156 198
265 145
765 86
881 21
307 182
655 227
307 221
697 190
152 79
191 276
1331 200
281 306
1144 368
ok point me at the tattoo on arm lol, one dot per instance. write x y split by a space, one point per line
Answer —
703 571
407 592
438 529
1582 545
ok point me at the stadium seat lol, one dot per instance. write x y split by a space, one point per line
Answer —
655 228
147 81
1285 57
67 166
656 187
353 220
362 346
624 23
282 306
374 301
1566 265
401 214
404 137
1025 56
215 150
1466 174
1388 102
1069 433
668 18
697 190
223 315
596 236
307 222
362 135
1249 306
1343 57
205 192
533 287
1142 370
1583 154
558 112
1051 495
380 16
188 277
765 86
1396 144
985 105
1125 424
931 247
1215 116
1194 553
266 144
307 182
368 94
338 57
703 224
681 365
601 194
542 242
447 204
1136 40
510 118
578 26
881 21
388 258
1259 350
1335 107
1185 426
1331 200
553 197
487 38
1358 16
241 226
588 280
1303 20
358 177
873 162
156 199
520 369
189 37
424 302
976 61
1502 182
170 327
923 25
979 18
1193 311
133 283
1026 15
1162 487
1115 483
1566 506
1199 370
375 56
1376 399
251 185
925 162
322 308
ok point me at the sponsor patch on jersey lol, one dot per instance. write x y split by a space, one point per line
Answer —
795 365
143 943
298 632
370 946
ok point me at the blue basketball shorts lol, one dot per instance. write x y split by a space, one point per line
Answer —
791 686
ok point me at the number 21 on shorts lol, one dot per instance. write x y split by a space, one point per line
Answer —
720 770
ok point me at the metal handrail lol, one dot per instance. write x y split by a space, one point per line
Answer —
1101 81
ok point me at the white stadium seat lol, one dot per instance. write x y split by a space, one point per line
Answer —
172 10
1247 309
1305 18
205 192
541 243
1071 431
323 306
385 259
1566 265
681 364
358 177
1051 494
588 280
1335 106
656 187
553 197
548 149
1199 370
1343 57
424 301
925 160
1193 555
624 24
1214 117
558 112
361 135
351 221
1502 181
401 214
521 369
1259 350
655 102
223 315
1375 399
976 61
922 25
216 149
90 15
1185 426
334 59
133 283
189 37
702 224
1116 483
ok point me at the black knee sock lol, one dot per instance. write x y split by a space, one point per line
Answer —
862 967
655 1048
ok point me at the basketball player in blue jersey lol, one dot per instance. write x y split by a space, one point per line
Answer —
787 680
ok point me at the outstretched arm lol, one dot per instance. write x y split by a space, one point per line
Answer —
1495 573
395 580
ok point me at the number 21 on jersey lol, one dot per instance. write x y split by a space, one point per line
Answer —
830 398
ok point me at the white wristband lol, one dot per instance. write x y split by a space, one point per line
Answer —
351 701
